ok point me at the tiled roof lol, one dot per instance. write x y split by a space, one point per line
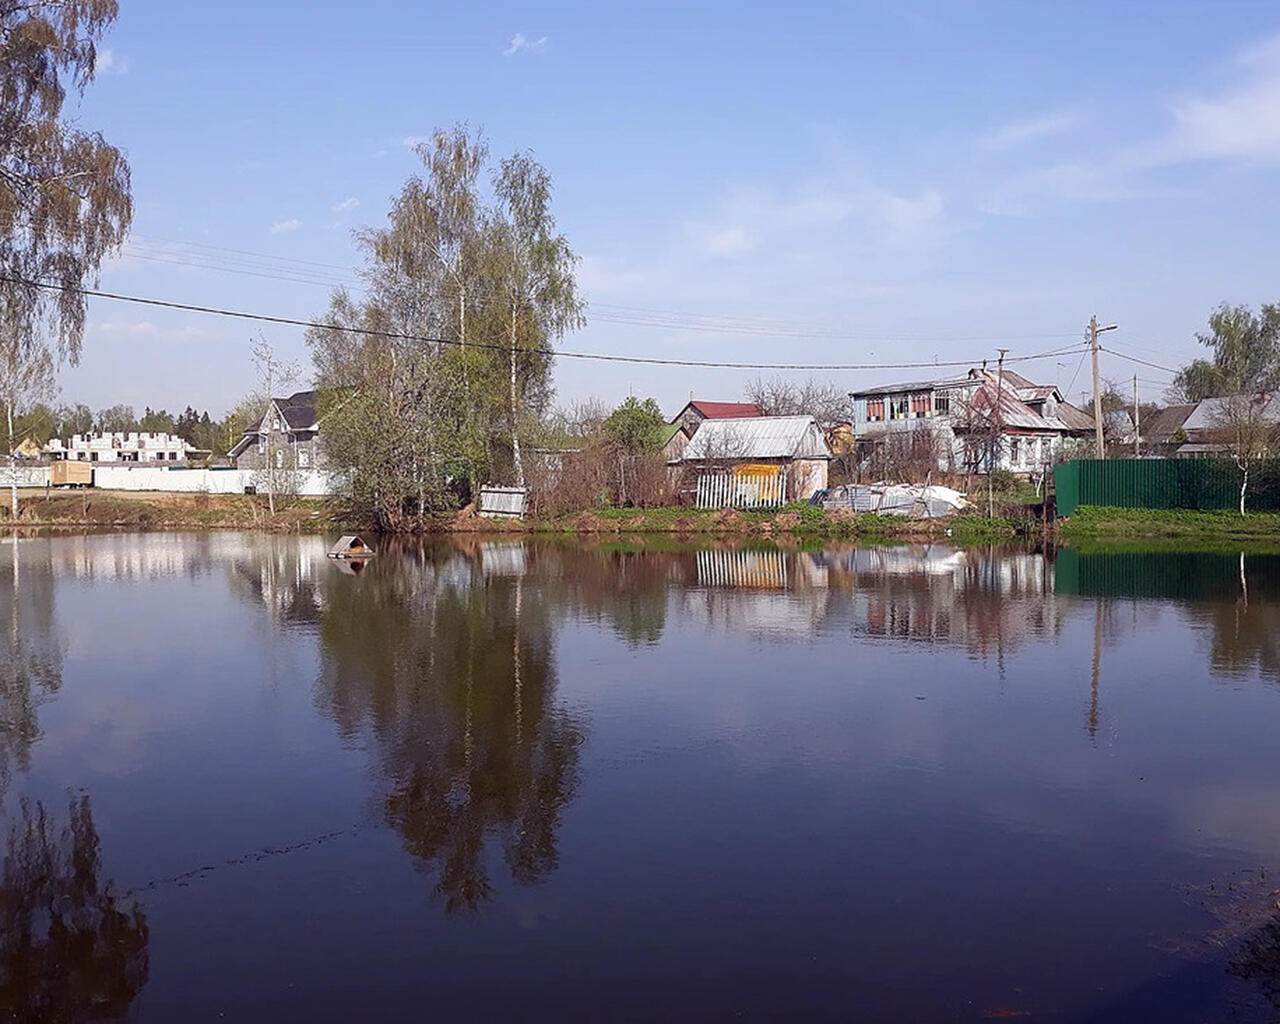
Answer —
299 409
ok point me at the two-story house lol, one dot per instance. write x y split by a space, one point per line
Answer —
288 434
970 422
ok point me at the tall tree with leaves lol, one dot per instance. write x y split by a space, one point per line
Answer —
536 288
1246 355
65 200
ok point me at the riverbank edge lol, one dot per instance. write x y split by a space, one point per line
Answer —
167 511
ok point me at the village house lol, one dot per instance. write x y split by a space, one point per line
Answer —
697 410
1203 431
790 448
133 446
289 429
685 423
966 422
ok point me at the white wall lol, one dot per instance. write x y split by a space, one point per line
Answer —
28 476
208 481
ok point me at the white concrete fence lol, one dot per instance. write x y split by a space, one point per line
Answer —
311 483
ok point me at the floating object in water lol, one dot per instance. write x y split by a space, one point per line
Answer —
351 546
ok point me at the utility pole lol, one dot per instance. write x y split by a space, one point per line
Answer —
1100 450
1137 427
995 436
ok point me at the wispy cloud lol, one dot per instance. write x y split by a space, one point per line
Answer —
1240 123
350 203
108 62
413 141
142 329
752 218
520 42
283 227
1020 133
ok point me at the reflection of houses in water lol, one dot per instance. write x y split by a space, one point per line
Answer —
283 573
981 601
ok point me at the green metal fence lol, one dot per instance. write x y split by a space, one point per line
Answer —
1163 483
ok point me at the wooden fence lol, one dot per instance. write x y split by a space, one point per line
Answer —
743 487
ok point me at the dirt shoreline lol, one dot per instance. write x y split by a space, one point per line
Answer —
93 509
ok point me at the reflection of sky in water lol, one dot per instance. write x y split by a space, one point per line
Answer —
911 783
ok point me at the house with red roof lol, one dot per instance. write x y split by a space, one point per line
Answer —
685 423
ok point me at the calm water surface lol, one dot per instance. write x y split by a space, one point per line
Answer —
551 782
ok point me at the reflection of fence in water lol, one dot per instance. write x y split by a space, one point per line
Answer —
750 486
761 570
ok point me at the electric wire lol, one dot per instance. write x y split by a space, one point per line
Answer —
486 346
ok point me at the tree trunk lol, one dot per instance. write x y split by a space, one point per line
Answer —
515 425
13 468
1244 483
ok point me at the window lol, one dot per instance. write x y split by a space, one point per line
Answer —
898 408
279 458
93 456
1015 452
942 403
304 457
262 446
875 409
920 404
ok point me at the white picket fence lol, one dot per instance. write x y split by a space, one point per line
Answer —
743 489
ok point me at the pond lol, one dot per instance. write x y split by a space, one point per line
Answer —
487 779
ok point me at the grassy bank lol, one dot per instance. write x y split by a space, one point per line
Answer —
1115 524
167 511
796 520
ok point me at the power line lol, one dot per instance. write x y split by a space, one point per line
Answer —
279 268
1141 362
486 346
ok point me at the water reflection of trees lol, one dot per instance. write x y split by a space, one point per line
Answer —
70 948
30 653
453 672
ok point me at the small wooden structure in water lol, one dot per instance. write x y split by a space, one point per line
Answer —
351 547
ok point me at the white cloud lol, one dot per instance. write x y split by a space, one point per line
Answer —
728 241
1240 123
1020 133
520 42
108 62
413 141
283 227
134 330
350 203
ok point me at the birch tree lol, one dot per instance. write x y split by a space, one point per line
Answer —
65 200
537 289
26 377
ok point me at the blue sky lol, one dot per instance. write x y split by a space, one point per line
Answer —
850 183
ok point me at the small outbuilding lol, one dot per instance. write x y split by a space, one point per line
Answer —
793 446
351 546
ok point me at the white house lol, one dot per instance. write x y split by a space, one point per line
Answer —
967 422
135 446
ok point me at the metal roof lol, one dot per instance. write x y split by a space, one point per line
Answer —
1209 413
722 410
758 437
918 385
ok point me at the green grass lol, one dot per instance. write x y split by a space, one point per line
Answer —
1092 522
